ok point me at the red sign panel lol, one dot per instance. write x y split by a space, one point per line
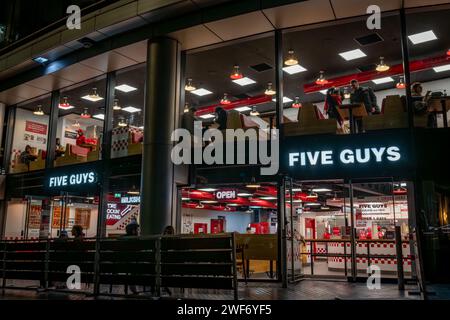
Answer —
35 127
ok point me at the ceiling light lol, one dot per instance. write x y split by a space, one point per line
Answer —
185 199
236 73
207 116
133 192
209 201
207 189
324 92
186 108
297 189
116 105
85 114
189 86
442 68
296 103
422 37
269 198
382 80
244 81
253 184
125 88
321 79
131 109
243 109
65 105
93 96
141 127
254 112
297 201
352 54
296 68
291 58
382 66
401 84
312 204
244 194
285 100
347 93
38 111
225 99
232 204
321 190
100 116
41 60
122 123
269 90
201 92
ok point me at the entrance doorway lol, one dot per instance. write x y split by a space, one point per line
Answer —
350 230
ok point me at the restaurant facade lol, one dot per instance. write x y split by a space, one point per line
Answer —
362 186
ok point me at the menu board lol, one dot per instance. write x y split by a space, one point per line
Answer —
34 218
83 217
56 219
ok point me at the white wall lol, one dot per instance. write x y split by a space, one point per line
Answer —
235 221
15 218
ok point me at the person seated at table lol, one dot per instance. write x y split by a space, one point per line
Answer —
82 141
333 100
421 104
367 97
59 149
27 156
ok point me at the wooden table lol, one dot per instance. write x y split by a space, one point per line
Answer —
440 105
351 111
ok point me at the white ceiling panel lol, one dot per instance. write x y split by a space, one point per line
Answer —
195 37
352 8
241 26
78 72
136 51
108 61
301 13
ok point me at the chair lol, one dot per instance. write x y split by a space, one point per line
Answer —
234 120
39 163
240 260
73 154
392 116
308 123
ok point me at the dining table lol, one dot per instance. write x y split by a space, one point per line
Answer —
351 112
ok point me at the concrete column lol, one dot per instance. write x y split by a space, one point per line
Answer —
161 111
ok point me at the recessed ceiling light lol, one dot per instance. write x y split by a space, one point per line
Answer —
442 68
285 100
92 98
296 68
245 81
208 189
296 189
125 88
40 59
324 91
131 109
243 194
201 92
243 109
207 116
422 37
352 54
321 190
269 198
209 201
313 204
100 116
382 80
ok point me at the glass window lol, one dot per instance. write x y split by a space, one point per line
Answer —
232 86
428 44
128 112
80 123
29 144
319 78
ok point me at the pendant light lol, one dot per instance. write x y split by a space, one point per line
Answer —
269 90
38 111
225 99
321 79
291 59
64 104
253 184
122 123
236 73
401 83
93 96
186 108
296 103
116 105
382 67
448 52
189 86
85 114
254 112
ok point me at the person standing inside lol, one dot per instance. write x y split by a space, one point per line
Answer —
365 96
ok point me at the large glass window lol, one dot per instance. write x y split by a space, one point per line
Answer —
428 44
128 111
232 86
346 79
80 123
29 144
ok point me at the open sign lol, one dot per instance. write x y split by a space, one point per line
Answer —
228 194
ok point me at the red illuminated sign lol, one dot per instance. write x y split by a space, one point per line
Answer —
35 127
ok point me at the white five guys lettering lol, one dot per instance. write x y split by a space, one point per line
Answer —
73 179
346 156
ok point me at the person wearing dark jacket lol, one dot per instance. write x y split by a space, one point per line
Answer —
221 118
367 97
